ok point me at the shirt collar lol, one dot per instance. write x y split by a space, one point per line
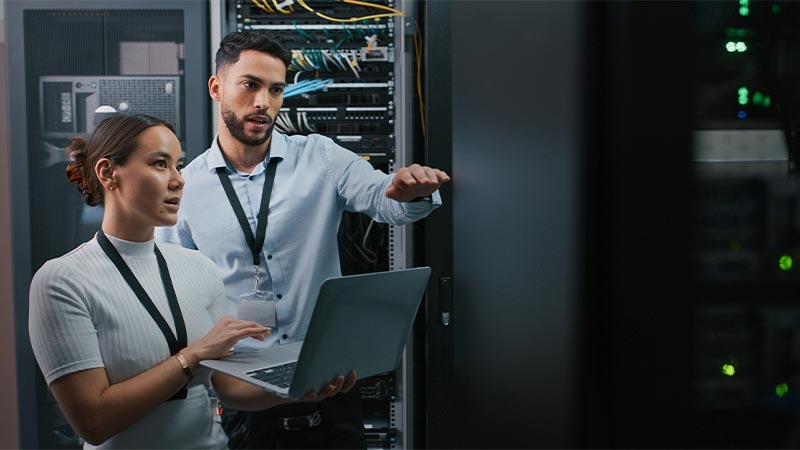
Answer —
215 159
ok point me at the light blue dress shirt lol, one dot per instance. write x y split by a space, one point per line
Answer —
316 180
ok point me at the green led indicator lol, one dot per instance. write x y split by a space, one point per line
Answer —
776 9
766 101
785 262
737 47
781 389
758 97
744 7
736 247
728 369
743 95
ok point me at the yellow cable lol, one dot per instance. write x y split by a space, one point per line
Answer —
352 19
263 6
373 5
303 4
278 8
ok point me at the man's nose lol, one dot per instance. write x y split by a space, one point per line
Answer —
262 100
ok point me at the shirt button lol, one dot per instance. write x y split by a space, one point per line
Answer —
269 256
285 336
280 296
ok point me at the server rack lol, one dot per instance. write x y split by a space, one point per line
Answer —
746 230
66 60
354 60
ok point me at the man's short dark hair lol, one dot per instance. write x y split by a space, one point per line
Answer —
261 40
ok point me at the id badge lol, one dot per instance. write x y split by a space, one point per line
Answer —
258 306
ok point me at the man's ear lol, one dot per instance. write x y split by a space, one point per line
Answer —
214 86
106 173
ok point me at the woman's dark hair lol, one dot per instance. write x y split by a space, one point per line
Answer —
114 138
265 41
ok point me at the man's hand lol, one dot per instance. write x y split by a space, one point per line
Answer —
415 181
339 384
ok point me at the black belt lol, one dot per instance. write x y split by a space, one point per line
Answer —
300 422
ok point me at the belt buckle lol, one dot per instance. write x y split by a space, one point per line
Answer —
301 422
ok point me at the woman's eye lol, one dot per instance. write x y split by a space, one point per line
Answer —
162 164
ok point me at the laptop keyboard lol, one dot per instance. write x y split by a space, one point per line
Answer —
277 375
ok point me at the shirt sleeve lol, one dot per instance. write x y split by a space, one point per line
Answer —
219 302
63 336
176 234
362 188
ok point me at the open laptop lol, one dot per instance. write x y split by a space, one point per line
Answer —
360 322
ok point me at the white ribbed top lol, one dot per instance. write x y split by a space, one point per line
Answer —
84 315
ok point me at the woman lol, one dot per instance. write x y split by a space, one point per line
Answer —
119 324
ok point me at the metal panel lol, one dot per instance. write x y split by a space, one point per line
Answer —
504 94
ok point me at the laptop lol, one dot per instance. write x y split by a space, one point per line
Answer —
360 322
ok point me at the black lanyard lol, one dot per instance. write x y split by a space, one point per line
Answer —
175 343
256 242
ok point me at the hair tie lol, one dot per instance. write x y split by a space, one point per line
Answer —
72 173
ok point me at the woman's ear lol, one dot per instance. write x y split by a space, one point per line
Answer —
106 173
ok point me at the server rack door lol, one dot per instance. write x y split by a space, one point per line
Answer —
566 239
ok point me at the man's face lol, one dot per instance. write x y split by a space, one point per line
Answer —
250 93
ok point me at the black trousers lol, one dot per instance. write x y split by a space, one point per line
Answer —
342 425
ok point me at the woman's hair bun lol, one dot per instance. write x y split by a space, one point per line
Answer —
76 169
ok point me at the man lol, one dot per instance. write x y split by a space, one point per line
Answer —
274 264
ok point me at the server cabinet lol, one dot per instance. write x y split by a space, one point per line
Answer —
559 315
351 79
70 63
746 229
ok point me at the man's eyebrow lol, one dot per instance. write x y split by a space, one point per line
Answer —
261 81
258 79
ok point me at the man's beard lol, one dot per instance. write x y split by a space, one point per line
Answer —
236 127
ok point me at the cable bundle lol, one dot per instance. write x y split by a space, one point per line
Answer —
301 87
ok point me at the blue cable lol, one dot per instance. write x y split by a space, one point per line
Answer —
301 87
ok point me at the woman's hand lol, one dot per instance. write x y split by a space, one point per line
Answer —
97 410
219 341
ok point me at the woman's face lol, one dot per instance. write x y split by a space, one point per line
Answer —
149 186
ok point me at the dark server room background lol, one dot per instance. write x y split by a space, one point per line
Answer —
614 263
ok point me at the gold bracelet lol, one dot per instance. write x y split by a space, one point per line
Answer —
184 365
